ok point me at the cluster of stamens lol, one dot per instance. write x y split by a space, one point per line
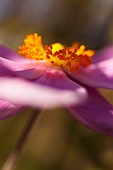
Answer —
56 54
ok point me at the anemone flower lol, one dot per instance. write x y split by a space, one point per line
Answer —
56 75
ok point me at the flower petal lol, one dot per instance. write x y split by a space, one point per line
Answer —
96 114
25 93
7 53
29 69
57 79
104 54
99 74
7 109
4 71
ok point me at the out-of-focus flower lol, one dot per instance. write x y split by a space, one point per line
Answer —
56 75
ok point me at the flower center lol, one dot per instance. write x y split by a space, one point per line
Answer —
71 58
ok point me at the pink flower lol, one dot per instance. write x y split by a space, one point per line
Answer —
54 76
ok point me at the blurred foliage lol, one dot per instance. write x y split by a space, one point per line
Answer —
85 21
57 141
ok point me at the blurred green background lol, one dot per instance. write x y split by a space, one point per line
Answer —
57 141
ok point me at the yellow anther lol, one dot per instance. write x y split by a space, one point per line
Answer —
71 58
33 47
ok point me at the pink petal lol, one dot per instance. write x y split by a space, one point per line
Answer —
4 71
96 114
29 69
7 109
99 74
7 53
56 78
104 54
25 93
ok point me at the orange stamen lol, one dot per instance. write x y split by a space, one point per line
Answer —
71 58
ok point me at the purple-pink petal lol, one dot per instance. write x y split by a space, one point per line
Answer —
25 93
28 69
9 54
57 79
96 114
8 109
104 54
4 71
99 74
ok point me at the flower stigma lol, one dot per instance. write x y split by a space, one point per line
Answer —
70 58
